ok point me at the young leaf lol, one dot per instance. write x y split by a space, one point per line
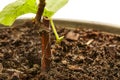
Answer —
15 9
52 6
20 7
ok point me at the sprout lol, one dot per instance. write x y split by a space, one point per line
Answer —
43 8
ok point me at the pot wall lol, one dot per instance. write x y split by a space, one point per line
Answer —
75 24
97 26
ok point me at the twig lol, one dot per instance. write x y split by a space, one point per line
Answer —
46 48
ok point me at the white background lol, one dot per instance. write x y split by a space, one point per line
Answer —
102 11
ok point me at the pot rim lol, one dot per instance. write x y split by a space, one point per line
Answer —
88 21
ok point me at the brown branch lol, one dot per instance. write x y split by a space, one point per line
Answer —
45 37
46 47
40 11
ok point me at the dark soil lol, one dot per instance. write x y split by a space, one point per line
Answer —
84 54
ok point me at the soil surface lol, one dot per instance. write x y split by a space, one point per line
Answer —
84 54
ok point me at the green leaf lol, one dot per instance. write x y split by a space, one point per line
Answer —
15 9
20 7
52 6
